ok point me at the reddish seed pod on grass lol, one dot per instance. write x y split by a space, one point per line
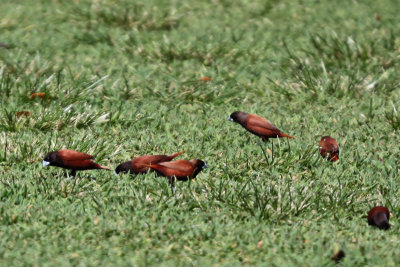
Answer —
23 113
37 95
205 79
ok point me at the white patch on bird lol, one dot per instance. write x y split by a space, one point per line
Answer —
230 119
45 163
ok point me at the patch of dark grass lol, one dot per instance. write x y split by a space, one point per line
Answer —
125 15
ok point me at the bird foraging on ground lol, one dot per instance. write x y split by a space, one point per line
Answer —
138 165
338 256
181 170
257 125
329 147
379 216
72 160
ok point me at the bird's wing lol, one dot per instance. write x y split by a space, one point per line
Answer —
139 163
183 166
255 121
77 164
149 159
331 147
72 155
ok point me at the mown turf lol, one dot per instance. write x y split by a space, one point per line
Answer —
122 79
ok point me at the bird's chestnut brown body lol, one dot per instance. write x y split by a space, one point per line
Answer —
138 165
329 147
72 160
379 216
181 170
257 125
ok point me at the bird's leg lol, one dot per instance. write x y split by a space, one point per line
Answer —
73 173
172 184
287 141
73 187
68 175
272 151
263 151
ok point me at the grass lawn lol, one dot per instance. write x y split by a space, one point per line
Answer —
123 79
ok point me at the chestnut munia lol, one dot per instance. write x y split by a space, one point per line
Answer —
257 125
72 160
379 216
137 165
328 145
181 170
338 256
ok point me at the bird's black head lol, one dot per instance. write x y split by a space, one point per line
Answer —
125 167
379 216
382 221
338 256
238 117
52 159
234 116
201 164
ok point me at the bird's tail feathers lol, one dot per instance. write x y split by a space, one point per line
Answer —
288 136
177 154
103 167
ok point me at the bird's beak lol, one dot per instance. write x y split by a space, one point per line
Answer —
45 163
230 119
205 165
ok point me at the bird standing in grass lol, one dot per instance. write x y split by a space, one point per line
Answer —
181 170
257 125
72 160
379 216
138 165
328 145
338 256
